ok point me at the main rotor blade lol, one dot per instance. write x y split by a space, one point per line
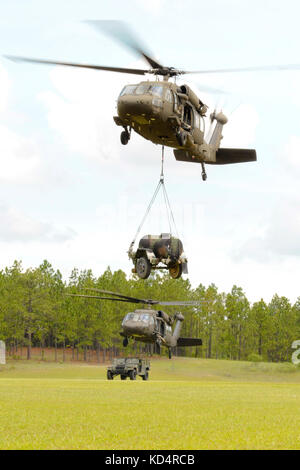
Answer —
72 64
180 302
116 294
124 298
97 297
120 31
259 68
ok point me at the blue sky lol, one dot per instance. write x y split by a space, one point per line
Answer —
68 188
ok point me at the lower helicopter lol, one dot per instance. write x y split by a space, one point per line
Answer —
148 325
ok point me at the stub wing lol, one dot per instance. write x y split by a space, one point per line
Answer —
181 342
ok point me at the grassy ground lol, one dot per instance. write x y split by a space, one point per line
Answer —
186 404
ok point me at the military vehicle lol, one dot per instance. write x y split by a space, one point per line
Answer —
156 250
149 325
129 367
163 111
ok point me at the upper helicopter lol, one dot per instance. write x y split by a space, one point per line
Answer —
162 111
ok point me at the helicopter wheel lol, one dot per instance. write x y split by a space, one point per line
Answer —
170 353
203 174
124 137
143 267
125 342
175 271
181 138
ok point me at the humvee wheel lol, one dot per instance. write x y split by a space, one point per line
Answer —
176 271
146 376
143 267
132 374
123 377
109 375
124 137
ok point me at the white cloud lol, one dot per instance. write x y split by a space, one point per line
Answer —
19 157
16 226
290 155
240 130
279 237
4 89
81 111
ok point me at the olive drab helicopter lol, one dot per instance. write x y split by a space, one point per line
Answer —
148 325
163 112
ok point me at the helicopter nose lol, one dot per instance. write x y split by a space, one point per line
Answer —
134 105
132 327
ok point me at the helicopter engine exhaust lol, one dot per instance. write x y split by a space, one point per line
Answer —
179 319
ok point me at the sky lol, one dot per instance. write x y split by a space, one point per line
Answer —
72 194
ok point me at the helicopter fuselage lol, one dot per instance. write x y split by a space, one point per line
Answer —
151 326
165 114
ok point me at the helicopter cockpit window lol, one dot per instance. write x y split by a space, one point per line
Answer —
142 89
175 101
146 318
157 90
131 317
187 115
128 90
196 120
169 96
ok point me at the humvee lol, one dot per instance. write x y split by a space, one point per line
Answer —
129 367
154 250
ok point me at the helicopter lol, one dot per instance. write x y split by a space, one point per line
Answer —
148 325
163 112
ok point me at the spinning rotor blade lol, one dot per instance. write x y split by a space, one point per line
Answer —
259 68
120 31
116 294
125 298
97 297
72 64
179 302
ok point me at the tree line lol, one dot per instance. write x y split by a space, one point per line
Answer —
35 311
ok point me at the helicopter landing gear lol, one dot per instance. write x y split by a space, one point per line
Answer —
170 353
203 174
125 136
125 342
181 138
157 346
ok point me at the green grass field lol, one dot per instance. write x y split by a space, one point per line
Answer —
186 404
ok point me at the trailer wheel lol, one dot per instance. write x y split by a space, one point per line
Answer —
143 267
123 377
175 271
